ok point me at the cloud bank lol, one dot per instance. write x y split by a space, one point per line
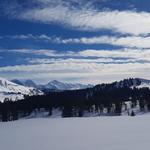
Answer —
89 66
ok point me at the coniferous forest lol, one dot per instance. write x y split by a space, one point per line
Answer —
105 100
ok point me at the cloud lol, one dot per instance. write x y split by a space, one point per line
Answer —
90 71
124 41
122 53
119 54
127 41
83 17
122 22
29 37
89 66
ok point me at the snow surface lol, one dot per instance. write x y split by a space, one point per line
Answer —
97 133
13 96
7 86
14 91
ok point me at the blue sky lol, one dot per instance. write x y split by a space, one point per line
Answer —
86 41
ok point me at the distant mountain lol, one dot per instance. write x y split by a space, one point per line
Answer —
7 86
12 90
17 81
30 83
53 85
57 85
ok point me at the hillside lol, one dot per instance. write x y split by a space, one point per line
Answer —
15 91
118 98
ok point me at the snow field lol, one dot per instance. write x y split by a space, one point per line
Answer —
93 133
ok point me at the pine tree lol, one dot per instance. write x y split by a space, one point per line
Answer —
132 113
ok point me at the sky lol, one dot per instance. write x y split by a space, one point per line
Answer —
78 41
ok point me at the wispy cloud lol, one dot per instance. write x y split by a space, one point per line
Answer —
124 41
91 71
89 65
30 37
134 54
127 41
86 17
128 29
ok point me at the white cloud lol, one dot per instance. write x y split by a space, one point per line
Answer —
89 66
30 37
85 17
128 41
90 71
125 41
42 52
123 22
122 54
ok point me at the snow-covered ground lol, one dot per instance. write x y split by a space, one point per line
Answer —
10 90
96 133
13 97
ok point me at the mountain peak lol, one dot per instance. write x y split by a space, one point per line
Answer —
54 82
127 83
58 85
9 86
29 83
14 91
17 81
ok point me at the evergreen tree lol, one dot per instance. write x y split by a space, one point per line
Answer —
132 113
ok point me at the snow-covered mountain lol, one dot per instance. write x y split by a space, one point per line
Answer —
14 91
57 85
130 83
17 81
144 83
10 87
30 83
133 82
27 83
53 85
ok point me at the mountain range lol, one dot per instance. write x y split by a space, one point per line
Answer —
53 85
16 89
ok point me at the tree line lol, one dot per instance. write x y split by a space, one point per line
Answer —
108 100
